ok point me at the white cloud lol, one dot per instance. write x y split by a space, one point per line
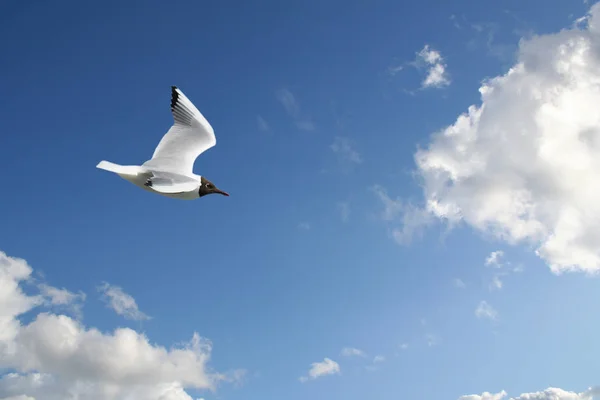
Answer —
292 107
394 70
523 166
496 283
484 310
18 398
494 259
56 357
352 352
459 283
345 151
63 298
548 394
430 60
121 302
378 359
437 75
455 21
408 220
404 346
60 296
484 396
262 124
319 369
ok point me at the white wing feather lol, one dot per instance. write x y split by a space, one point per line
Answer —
190 136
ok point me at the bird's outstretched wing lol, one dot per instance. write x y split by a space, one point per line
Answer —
190 136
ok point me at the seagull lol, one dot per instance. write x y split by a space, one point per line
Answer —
169 171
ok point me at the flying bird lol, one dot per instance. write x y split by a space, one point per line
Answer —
169 171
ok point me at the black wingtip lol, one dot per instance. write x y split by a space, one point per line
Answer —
174 96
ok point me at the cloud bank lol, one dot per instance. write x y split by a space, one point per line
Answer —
523 166
55 357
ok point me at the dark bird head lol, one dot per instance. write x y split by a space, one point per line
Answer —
207 187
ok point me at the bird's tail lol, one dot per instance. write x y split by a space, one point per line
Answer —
119 169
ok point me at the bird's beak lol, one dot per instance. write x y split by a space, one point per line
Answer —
222 192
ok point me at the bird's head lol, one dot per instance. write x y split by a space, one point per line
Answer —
207 187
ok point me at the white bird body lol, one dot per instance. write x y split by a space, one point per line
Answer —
138 175
169 171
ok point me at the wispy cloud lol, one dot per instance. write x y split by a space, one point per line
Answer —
378 359
459 283
292 107
392 207
432 339
352 352
262 124
404 346
485 310
375 363
345 151
455 22
393 70
121 302
495 260
407 219
344 210
304 226
320 369
496 283
485 38
62 297
237 377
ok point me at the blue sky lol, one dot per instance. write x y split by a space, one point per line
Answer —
338 232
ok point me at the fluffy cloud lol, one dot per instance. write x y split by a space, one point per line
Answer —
55 357
494 259
484 396
319 369
121 302
431 61
548 394
523 165
437 75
